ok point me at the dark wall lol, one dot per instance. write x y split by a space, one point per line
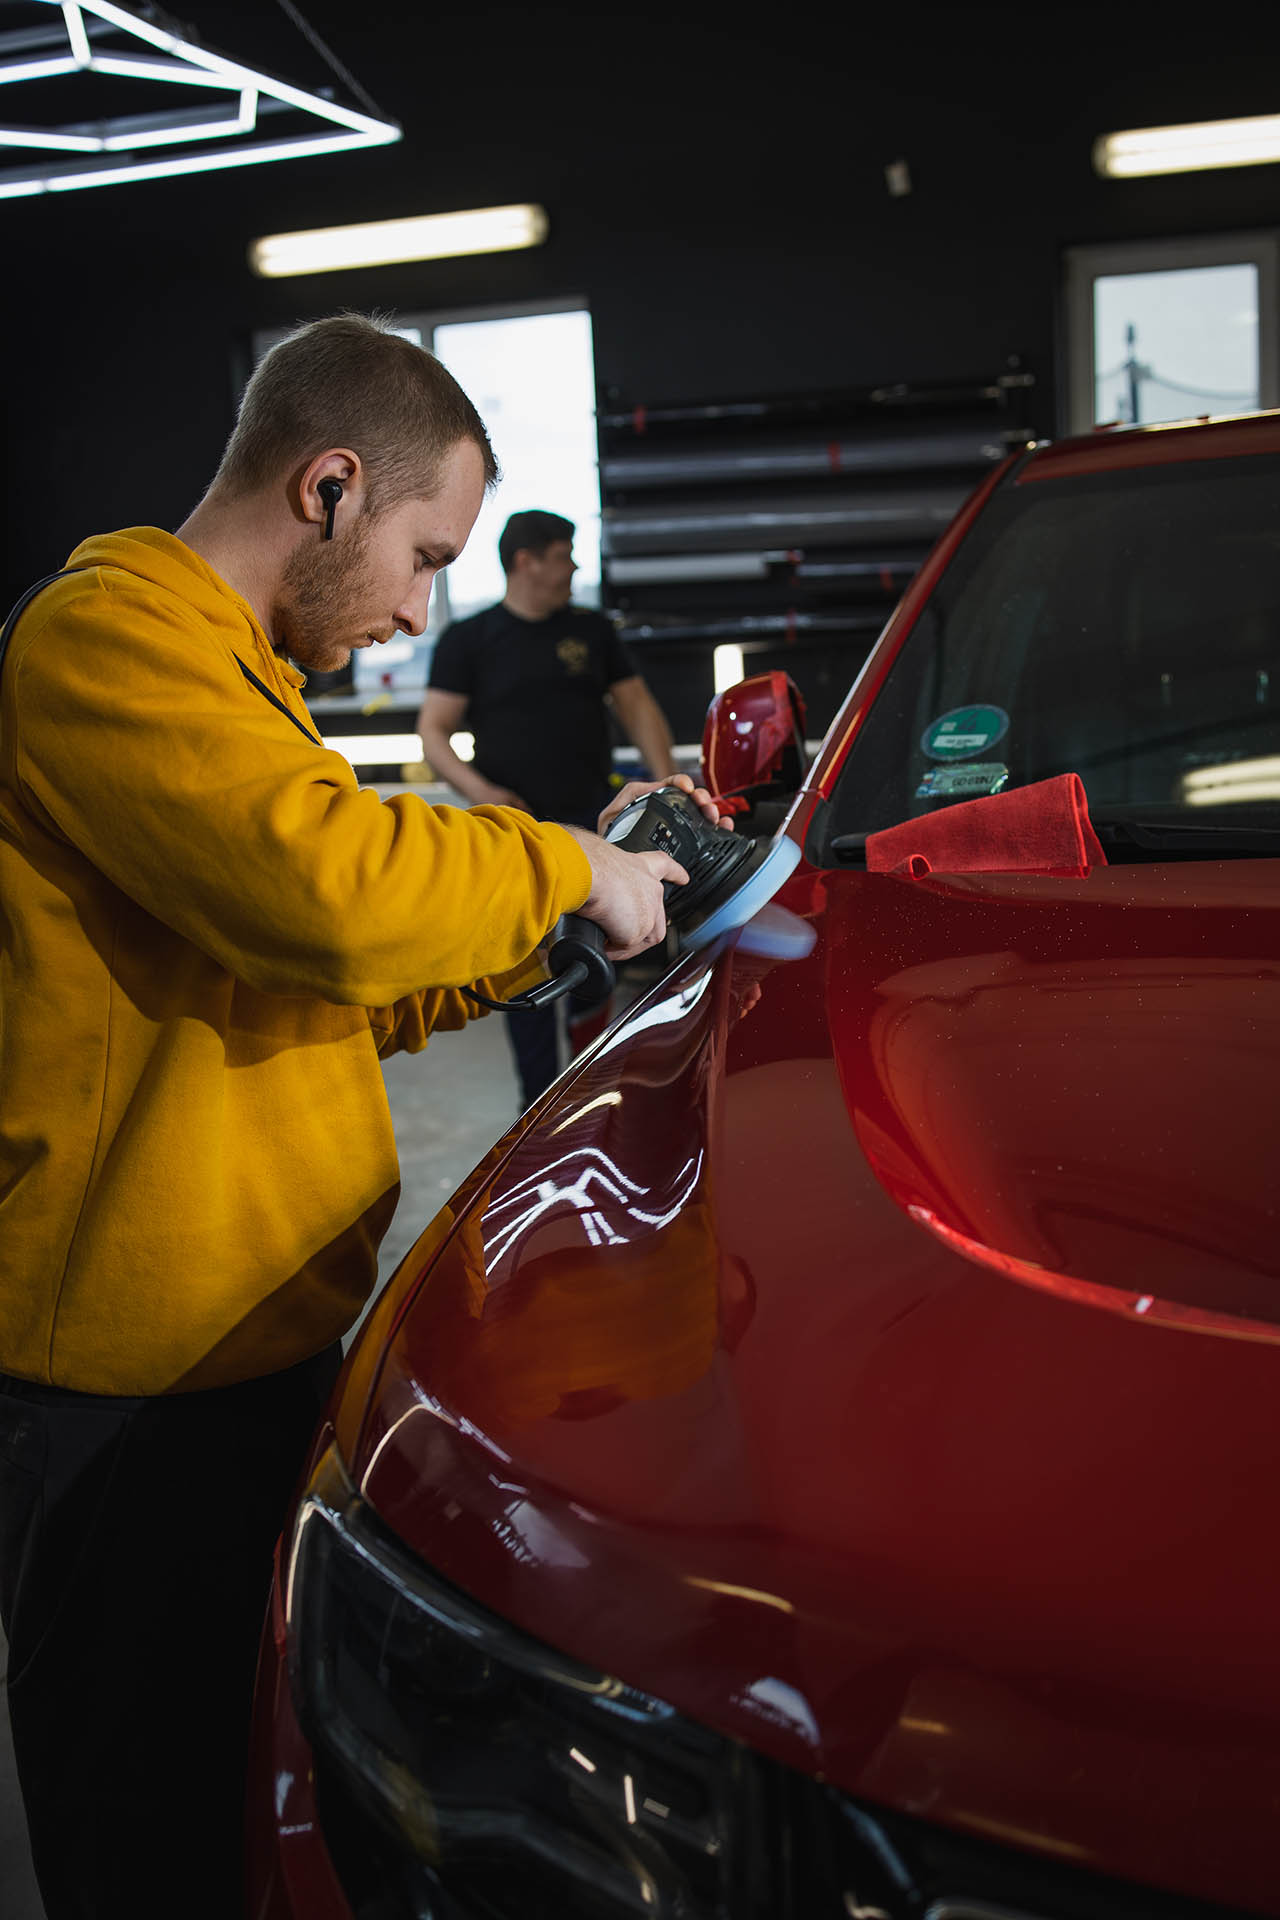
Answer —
716 191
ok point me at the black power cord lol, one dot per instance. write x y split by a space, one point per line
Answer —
578 965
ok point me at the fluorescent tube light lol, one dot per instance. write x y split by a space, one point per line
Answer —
13 72
52 142
174 136
376 749
169 72
160 136
392 749
376 243
1232 781
1233 794
726 665
167 59
109 174
77 33
1184 149
1229 772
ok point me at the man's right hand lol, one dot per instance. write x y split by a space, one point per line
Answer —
626 894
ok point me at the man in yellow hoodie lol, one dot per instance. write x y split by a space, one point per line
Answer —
209 934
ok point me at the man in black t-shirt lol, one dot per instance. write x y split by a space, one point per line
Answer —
533 679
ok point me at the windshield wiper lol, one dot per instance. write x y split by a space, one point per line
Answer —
1125 836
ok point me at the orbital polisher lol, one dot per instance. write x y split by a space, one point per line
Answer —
731 876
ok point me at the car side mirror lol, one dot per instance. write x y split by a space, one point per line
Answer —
753 738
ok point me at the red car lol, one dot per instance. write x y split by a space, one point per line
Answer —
825 1460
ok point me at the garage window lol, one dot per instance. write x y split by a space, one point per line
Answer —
1171 330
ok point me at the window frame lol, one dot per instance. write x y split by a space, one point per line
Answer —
1086 264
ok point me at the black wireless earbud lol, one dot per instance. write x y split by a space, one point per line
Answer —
330 492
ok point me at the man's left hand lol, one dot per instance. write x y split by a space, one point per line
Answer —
636 789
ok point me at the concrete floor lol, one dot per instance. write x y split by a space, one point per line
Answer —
449 1105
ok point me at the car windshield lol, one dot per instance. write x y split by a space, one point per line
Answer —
1123 626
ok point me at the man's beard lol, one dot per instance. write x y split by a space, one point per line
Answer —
318 613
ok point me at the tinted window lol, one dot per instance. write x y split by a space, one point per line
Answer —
1125 627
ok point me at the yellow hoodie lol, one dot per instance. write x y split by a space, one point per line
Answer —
208 935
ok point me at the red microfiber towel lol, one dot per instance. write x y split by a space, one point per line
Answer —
1043 828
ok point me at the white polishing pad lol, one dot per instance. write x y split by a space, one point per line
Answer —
763 878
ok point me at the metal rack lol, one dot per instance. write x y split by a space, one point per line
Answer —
787 524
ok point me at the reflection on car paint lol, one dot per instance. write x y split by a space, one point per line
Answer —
1144 1306
597 1179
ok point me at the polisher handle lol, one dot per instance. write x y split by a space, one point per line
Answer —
580 943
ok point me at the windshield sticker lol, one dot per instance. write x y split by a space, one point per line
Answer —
964 731
979 778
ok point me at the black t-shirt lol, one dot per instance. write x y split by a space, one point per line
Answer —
535 702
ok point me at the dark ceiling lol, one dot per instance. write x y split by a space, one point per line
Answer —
715 181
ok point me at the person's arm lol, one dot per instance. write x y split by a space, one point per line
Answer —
408 1025
626 899
132 734
440 716
645 724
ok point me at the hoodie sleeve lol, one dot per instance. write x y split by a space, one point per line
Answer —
139 741
407 1026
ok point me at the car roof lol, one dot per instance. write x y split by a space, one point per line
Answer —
1106 450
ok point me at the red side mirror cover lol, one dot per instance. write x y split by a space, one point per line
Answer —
748 729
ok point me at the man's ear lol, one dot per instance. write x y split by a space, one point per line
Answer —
331 489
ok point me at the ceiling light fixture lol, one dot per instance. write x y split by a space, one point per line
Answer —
1186 149
105 41
376 749
379 243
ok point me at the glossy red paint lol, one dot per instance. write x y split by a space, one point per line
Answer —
695 1393
1154 446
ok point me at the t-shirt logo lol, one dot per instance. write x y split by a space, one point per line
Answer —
574 654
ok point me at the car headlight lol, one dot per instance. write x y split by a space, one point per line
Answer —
465 1771
496 1770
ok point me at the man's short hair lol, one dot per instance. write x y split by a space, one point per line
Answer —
535 530
351 381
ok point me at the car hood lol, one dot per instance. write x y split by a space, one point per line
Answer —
871 1348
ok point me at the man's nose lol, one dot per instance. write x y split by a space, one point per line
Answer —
411 615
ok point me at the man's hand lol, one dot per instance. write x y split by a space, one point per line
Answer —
492 796
636 789
626 893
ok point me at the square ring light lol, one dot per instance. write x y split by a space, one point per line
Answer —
96 37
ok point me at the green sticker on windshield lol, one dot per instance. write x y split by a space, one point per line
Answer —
963 732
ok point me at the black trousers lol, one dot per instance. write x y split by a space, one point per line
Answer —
534 1034
136 1538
